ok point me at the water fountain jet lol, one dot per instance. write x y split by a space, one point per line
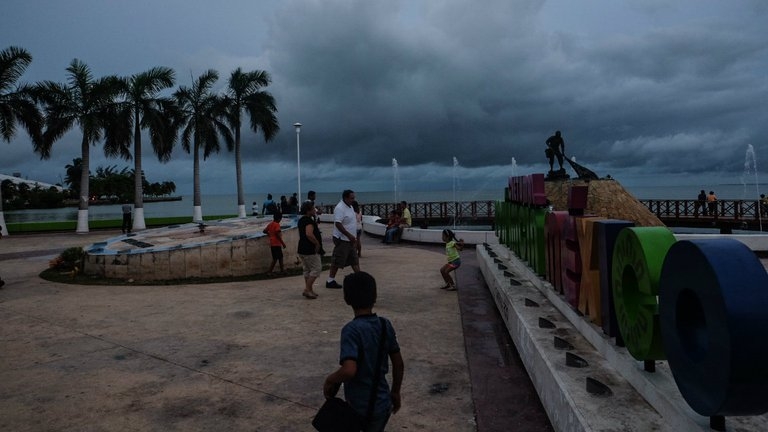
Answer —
396 176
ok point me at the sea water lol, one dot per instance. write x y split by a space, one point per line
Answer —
227 204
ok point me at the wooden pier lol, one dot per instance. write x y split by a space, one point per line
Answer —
435 213
728 214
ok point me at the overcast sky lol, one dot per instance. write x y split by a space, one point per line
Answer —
646 91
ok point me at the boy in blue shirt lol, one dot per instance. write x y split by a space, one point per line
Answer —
360 341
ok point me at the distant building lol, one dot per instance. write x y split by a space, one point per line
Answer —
16 178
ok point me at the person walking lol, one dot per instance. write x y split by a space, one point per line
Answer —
344 239
276 243
365 344
310 248
126 218
452 248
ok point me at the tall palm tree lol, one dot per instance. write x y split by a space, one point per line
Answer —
200 116
146 110
244 94
16 104
92 105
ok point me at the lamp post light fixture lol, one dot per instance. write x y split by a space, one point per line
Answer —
297 125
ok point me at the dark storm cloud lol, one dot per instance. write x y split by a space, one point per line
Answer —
657 86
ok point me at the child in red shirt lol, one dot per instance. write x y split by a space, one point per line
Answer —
275 242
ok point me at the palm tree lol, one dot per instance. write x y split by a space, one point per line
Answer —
200 115
148 111
91 104
72 178
244 93
16 104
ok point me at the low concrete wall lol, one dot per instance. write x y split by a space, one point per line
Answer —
641 400
430 235
238 255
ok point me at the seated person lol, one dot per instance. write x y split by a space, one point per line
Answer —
405 221
393 226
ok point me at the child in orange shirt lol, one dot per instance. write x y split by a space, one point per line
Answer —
275 242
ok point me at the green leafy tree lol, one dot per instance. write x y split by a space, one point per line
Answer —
92 105
147 110
244 93
17 105
200 116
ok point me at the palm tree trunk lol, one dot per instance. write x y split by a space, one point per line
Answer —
82 212
239 173
3 229
138 189
197 208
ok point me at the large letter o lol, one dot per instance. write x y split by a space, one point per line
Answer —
637 259
714 321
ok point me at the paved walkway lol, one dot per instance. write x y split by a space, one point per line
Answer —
242 355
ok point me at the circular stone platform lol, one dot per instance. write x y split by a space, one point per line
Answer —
223 248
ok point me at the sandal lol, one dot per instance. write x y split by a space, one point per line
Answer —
309 295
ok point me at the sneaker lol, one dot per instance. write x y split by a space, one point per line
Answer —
333 285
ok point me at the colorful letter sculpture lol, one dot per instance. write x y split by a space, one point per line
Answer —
702 304
571 256
523 230
637 259
607 232
713 297
553 235
589 294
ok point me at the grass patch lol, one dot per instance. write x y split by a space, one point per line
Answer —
35 227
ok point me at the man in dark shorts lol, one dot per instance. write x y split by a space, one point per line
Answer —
344 238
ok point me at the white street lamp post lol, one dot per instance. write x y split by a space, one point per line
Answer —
297 125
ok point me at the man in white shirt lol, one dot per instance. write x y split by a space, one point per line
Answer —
344 240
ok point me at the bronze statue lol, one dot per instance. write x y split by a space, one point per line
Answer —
555 147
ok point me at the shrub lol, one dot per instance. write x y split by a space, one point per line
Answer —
70 259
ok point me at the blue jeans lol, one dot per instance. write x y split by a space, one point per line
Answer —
378 423
389 235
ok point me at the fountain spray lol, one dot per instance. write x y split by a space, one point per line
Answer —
396 175
750 157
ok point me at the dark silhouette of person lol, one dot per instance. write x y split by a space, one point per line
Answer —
701 203
555 147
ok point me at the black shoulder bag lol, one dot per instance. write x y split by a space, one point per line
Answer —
337 416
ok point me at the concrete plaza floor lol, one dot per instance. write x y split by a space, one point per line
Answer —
236 356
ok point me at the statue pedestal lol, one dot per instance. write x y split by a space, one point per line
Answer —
557 175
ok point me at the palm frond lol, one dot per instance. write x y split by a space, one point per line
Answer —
13 63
